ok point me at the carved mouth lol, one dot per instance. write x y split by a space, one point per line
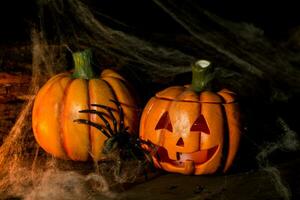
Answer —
199 157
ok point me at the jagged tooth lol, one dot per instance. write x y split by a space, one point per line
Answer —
189 167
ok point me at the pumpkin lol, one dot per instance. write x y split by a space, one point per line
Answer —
192 130
58 102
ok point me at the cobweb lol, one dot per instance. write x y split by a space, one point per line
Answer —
245 61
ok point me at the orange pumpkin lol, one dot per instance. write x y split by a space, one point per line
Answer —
59 101
193 130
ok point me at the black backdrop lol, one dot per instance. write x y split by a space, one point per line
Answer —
276 18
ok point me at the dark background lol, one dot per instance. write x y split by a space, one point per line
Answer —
277 19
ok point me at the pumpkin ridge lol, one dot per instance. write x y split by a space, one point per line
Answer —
114 93
114 77
98 87
167 99
131 89
112 90
233 133
52 83
226 140
61 119
37 110
145 113
109 73
90 117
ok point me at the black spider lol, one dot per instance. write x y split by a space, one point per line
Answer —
119 140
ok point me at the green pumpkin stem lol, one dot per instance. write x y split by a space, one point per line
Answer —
83 67
202 75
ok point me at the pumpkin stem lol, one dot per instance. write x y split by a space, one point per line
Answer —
202 75
82 62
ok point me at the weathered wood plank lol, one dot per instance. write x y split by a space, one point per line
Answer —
13 86
14 89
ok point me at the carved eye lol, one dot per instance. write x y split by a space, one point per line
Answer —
200 125
164 123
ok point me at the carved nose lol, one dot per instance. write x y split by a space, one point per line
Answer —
180 142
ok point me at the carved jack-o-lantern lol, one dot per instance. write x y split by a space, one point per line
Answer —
193 132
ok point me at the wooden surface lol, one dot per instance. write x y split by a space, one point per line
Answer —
15 77
14 90
257 184
13 87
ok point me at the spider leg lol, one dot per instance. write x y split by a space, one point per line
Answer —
109 110
121 114
149 158
133 155
99 127
107 125
146 155
148 143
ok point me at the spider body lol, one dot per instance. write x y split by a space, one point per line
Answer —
119 143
